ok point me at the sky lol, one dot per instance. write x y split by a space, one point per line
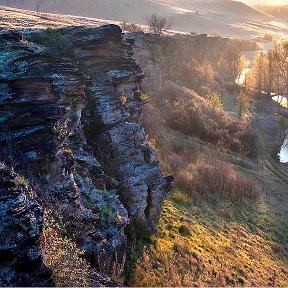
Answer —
265 2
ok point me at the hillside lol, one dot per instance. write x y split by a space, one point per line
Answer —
229 18
209 237
280 12
127 158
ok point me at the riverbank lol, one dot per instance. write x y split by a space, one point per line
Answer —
267 114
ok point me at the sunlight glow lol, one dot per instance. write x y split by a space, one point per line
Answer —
265 2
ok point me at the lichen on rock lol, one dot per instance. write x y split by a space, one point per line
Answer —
72 125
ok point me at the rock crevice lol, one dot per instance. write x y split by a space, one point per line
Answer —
72 124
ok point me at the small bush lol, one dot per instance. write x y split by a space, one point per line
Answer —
54 39
106 212
184 230
145 97
181 198
268 37
62 255
22 181
130 27
215 101
243 101
123 99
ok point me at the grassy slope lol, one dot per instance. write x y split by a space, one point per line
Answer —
281 12
218 252
11 18
227 243
216 241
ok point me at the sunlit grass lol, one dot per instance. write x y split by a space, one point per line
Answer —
218 226
214 253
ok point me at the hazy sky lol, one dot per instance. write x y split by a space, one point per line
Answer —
265 2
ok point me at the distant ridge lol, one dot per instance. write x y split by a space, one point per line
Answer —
213 17
280 12
133 10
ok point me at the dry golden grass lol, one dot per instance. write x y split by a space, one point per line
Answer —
213 253
213 177
62 255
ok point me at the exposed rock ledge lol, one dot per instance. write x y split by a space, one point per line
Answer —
21 262
72 126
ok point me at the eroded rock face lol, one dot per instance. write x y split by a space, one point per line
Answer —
21 262
113 118
72 125
43 96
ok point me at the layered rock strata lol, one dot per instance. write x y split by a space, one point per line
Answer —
21 261
71 125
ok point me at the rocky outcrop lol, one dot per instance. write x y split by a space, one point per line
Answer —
112 120
21 262
71 125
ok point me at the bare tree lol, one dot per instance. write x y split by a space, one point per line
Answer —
260 72
280 52
270 71
38 4
243 102
232 62
158 23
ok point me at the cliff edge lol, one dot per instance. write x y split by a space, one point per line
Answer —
70 103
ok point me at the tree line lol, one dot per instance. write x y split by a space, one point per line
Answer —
270 71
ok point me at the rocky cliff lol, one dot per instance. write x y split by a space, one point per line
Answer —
69 123
21 261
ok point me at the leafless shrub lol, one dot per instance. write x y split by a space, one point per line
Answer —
204 179
62 255
130 27
114 266
157 23
268 37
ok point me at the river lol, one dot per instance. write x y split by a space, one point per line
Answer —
281 100
283 154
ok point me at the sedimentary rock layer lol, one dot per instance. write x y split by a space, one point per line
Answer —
21 261
70 123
